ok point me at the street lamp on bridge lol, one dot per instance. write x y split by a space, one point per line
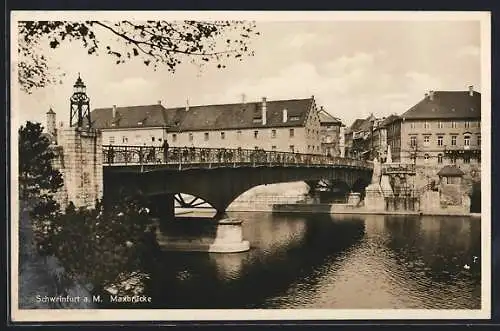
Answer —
79 105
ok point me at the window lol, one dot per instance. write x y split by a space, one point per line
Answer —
292 148
466 159
440 158
412 125
440 125
467 124
413 141
453 140
238 134
292 133
222 135
426 158
479 140
453 125
426 140
190 137
308 148
256 134
273 133
440 140
111 140
206 136
453 160
273 148
124 139
466 140
152 138
174 137
426 125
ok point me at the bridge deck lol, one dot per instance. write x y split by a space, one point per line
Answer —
183 158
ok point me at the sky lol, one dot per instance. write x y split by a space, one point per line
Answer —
353 68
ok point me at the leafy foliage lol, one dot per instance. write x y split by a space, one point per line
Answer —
37 177
155 43
101 246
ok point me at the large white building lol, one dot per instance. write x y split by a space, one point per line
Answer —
281 125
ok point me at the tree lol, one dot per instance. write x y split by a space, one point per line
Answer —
105 246
155 43
37 177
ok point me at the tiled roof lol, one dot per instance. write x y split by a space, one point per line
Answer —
360 124
447 171
129 117
390 119
326 117
207 117
447 104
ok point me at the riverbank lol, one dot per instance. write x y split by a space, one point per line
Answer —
325 208
349 209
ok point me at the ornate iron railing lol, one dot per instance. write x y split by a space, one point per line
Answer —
150 155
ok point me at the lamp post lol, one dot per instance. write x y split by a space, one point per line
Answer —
79 105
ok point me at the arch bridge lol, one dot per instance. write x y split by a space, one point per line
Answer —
217 175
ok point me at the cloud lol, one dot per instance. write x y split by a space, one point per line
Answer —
349 87
469 51
129 91
422 81
301 39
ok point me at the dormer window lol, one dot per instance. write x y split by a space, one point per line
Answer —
294 118
139 123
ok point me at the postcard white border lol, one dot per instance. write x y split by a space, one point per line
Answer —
21 315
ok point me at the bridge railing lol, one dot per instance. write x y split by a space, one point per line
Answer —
149 155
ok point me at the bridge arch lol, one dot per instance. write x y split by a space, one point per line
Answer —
219 186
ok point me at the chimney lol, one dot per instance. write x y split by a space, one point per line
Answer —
471 90
264 111
114 112
159 102
285 115
187 104
431 95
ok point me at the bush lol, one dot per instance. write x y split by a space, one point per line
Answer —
100 246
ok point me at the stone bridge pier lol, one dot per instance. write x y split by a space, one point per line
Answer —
216 186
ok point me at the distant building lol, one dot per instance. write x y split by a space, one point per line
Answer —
330 134
383 133
282 125
444 127
358 138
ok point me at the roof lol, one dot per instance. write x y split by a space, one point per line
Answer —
128 117
327 118
390 119
51 111
360 124
450 171
447 104
207 117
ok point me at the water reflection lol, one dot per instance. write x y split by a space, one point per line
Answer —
318 261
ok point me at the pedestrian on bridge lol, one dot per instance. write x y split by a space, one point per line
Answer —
165 150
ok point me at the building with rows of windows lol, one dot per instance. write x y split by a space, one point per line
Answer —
443 128
282 125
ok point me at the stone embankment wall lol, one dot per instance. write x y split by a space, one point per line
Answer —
263 197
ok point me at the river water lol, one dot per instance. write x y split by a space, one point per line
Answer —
331 261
